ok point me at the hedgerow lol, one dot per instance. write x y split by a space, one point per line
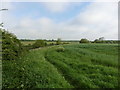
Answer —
11 46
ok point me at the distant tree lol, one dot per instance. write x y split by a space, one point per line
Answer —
1 24
101 38
39 43
110 41
96 41
84 41
52 40
58 41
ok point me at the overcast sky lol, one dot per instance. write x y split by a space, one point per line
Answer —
67 20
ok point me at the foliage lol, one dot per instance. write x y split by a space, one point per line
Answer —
1 25
26 40
97 41
101 38
39 43
11 46
106 41
84 41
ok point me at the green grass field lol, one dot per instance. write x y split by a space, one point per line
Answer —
48 42
78 66
27 42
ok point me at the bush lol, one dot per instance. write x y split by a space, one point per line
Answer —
60 49
84 41
39 43
97 41
11 46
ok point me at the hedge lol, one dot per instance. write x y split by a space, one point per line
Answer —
11 46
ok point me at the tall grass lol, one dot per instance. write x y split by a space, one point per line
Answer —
32 71
78 66
85 68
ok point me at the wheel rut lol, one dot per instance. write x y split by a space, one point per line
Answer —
58 71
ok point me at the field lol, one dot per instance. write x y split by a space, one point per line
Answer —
27 42
78 66
48 42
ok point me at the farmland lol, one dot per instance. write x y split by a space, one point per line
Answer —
27 42
48 42
77 66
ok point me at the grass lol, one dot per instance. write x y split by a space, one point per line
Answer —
77 66
32 71
84 68
48 42
27 42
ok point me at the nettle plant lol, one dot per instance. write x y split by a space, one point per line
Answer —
11 46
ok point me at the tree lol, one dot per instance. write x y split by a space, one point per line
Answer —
101 38
96 41
84 41
39 43
1 24
58 41
52 40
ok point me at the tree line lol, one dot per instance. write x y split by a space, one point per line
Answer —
100 40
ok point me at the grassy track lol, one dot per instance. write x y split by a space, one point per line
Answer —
32 71
85 68
79 66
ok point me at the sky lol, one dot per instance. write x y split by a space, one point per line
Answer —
65 20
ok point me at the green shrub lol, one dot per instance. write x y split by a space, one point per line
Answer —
39 43
84 41
98 41
11 46
60 49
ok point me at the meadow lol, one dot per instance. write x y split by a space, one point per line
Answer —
77 66
25 42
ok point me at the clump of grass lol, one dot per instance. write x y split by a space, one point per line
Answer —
60 49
